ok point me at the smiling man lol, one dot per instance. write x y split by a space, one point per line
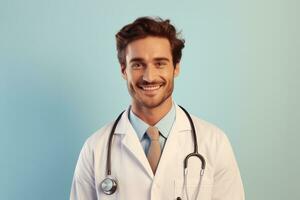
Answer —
149 71
155 149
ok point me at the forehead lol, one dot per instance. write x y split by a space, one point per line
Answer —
149 47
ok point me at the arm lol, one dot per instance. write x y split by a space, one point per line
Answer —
227 180
83 185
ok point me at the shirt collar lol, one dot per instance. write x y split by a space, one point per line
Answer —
164 125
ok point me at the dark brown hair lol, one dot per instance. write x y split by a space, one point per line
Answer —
147 26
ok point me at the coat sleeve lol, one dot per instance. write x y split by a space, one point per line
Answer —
227 180
83 185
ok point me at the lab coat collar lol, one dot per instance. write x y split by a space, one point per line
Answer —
133 145
182 123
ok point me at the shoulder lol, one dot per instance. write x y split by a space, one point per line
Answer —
99 137
209 133
205 131
207 126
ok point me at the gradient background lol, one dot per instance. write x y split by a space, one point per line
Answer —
60 81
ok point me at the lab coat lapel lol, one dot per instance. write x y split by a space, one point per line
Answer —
174 142
132 144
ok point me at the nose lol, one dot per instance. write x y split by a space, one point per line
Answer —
149 73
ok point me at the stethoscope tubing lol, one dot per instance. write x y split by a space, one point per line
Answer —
112 132
185 162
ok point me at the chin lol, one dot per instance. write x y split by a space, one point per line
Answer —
152 103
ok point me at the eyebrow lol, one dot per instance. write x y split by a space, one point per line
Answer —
162 59
138 59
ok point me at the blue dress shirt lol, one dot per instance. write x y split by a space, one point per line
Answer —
164 126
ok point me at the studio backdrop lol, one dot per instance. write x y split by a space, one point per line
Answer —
60 81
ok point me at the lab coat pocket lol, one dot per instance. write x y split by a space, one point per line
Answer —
192 189
108 197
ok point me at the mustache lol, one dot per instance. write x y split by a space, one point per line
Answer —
143 82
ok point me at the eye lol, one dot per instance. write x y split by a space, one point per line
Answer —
161 64
136 65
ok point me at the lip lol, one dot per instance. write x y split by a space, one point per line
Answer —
150 89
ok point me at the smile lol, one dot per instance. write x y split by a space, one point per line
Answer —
150 87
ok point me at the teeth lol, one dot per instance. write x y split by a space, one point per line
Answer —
149 88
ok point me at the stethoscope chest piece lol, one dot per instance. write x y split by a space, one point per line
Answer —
109 185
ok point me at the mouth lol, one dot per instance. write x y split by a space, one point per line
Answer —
150 87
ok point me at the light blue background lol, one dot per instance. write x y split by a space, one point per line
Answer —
60 81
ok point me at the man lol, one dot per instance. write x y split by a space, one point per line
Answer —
153 136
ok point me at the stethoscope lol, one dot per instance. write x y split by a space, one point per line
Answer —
109 185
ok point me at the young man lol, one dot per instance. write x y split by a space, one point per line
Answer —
153 137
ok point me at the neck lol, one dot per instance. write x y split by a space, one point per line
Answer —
152 115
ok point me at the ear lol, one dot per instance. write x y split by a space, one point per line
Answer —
176 70
123 71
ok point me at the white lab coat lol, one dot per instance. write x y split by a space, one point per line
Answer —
221 180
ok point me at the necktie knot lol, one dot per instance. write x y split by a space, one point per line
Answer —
153 133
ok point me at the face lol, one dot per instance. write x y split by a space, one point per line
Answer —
149 71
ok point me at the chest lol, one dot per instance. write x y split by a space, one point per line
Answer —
135 179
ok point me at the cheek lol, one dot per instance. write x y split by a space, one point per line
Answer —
134 78
169 76
132 82
129 77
